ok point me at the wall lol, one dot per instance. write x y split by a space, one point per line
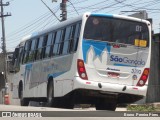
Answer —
153 94
2 84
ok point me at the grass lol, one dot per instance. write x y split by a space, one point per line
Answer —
146 108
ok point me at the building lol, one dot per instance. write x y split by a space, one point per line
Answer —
2 80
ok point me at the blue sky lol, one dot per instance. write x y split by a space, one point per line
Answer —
25 13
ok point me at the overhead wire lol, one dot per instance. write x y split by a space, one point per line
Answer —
25 29
51 10
73 6
113 4
30 24
91 5
33 22
29 31
97 6
49 21
18 37
27 25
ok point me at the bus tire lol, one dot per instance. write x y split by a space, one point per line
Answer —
50 93
23 101
103 105
68 103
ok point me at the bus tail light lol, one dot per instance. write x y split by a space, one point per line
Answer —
144 77
81 69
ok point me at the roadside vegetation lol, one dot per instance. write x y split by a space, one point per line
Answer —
145 107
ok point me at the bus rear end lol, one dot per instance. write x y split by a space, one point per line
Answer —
115 58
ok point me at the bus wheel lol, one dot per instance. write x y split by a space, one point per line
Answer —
23 101
106 106
50 96
68 103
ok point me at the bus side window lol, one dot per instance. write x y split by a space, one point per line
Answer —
16 59
39 48
66 40
72 38
47 52
52 43
26 51
61 42
36 47
32 50
56 46
75 36
21 55
44 45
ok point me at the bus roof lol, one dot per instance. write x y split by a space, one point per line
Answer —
70 21
54 27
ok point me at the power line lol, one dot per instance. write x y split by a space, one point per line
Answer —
121 6
11 1
92 5
36 26
73 7
35 22
137 8
26 28
48 21
107 6
50 10
104 7
28 25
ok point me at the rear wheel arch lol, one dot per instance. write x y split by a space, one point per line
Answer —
50 92
20 88
50 80
23 101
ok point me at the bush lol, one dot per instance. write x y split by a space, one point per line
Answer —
146 107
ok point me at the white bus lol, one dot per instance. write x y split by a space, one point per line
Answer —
98 59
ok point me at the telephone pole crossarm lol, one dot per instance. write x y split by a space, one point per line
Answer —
6 15
7 3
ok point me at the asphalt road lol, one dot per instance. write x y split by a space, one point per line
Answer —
39 108
45 113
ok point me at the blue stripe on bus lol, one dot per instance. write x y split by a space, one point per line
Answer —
28 66
34 34
102 15
116 64
54 75
98 47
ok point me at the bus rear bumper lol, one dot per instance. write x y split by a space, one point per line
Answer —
109 87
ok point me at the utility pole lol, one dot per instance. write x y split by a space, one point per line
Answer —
159 27
64 10
2 15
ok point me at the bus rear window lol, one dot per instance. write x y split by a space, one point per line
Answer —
116 30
